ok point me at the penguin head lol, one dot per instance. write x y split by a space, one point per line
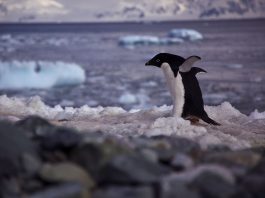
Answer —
161 58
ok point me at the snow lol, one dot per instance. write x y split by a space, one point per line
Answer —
186 34
256 115
237 130
39 74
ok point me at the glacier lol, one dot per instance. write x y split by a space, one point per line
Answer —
236 131
39 74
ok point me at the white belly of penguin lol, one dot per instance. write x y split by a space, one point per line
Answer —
176 89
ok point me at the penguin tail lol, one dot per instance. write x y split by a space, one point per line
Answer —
208 120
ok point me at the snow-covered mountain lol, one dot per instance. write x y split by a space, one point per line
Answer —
186 9
128 10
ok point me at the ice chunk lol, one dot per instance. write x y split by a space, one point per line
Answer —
127 98
134 40
41 74
170 41
186 34
256 115
138 40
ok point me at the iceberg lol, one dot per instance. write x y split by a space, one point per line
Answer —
186 34
236 131
136 40
175 36
39 74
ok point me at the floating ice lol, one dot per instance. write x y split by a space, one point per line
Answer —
134 40
127 98
138 40
237 130
186 34
41 74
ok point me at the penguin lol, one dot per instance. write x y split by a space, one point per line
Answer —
183 85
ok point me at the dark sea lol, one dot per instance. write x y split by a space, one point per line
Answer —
232 52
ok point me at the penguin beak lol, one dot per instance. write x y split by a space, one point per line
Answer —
147 63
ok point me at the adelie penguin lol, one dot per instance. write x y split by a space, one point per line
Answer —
183 85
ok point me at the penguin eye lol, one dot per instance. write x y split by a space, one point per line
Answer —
158 60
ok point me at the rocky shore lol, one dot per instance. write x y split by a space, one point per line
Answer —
41 160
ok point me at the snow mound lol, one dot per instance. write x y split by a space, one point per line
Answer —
256 115
136 40
186 34
39 74
237 130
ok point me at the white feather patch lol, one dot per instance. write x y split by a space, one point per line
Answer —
176 89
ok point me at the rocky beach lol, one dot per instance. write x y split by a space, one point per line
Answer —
43 160
113 153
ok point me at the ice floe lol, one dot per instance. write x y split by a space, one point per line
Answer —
175 36
136 40
39 74
186 34
237 130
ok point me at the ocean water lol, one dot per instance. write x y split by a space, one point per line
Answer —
233 53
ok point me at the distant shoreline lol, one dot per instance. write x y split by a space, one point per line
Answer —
37 27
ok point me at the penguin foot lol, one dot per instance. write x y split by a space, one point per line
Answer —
193 119
210 121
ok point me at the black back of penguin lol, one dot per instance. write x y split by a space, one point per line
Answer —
194 104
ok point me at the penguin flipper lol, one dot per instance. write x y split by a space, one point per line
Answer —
208 120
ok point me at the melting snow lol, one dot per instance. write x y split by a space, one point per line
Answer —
41 74
237 130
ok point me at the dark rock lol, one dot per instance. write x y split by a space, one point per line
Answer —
259 168
30 164
254 185
124 192
67 190
49 136
9 188
212 185
218 148
35 126
93 155
13 145
170 189
149 154
60 138
66 172
182 161
166 147
207 180
237 161
132 169
181 145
